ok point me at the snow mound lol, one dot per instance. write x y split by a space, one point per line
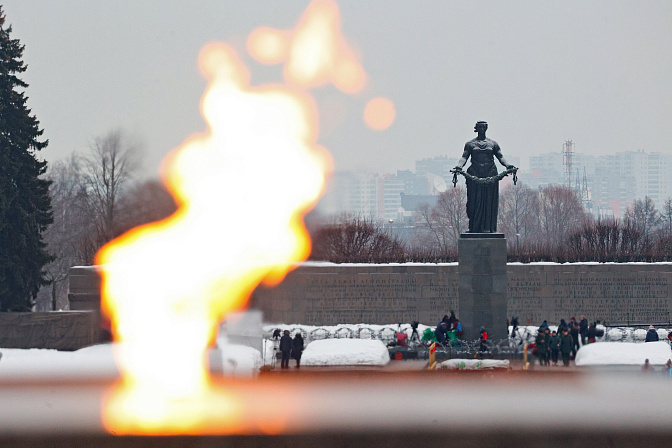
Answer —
474 364
345 352
240 360
95 361
623 353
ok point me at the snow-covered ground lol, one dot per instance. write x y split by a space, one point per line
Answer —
96 361
239 360
359 344
623 353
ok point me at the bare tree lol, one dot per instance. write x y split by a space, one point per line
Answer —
443 224
607 240
356 240
560 213
71 224
666 216
143 203
519 214
107 171
643 215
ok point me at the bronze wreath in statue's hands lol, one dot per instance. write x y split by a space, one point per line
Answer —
485 180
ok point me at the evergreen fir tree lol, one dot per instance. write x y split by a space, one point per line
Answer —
25 205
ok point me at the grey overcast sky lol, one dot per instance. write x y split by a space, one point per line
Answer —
540 72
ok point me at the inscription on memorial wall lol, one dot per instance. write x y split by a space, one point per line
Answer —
615 294
377 297
620 296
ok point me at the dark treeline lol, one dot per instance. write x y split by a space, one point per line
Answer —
549 224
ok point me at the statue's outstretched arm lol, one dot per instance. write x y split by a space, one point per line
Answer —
465 155
500 157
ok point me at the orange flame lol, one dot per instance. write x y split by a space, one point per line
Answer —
315 52
243 188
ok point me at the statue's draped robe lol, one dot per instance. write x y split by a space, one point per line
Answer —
482 199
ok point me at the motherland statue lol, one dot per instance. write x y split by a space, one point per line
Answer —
482 180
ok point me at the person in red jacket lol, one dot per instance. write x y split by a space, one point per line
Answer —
484 337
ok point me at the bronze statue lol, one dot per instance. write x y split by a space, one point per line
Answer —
482 180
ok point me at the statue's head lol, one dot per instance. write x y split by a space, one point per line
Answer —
481 126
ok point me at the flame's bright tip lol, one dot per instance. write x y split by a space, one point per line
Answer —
315 53
379 113
243 188
268 46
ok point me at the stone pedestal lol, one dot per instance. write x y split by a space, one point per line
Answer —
482 284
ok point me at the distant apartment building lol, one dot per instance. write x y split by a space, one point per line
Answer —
613 181
436 165
376 196
379 196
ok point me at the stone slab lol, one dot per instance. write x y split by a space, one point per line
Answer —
51 330
482 285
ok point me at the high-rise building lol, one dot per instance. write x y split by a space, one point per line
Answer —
612 182
440 165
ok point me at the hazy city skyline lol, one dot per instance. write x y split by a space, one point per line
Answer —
594 72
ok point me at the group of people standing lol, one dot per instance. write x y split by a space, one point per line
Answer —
551 344
291 348
448 324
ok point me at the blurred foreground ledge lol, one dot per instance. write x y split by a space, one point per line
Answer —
369 408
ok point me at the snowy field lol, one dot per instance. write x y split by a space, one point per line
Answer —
338 345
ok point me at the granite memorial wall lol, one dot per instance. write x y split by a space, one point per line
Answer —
326 294
50 330
323 294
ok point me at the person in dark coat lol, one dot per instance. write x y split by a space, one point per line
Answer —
440 332
286 349
566 345
554 347
547 331
651 335
562 326
591 334
452 318
297 349
514 325
583 329
574 333
542 345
